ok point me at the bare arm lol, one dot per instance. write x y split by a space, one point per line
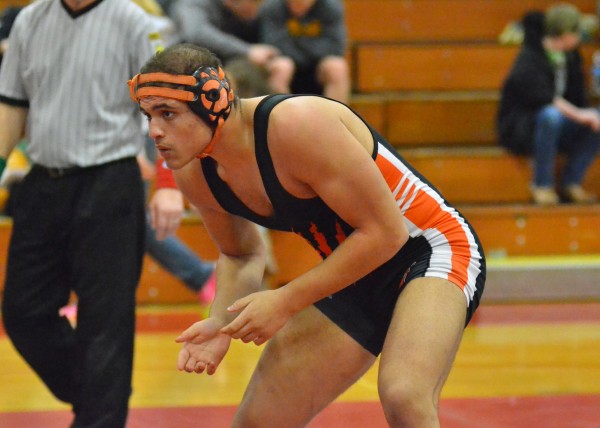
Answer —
337 167
12 125
585 116
242 253
319 154
241 263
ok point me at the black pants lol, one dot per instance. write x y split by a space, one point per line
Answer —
83 232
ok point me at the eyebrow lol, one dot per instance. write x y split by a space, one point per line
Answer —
158 107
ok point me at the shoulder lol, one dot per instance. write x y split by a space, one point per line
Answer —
306 121
32 12
128 11
296 111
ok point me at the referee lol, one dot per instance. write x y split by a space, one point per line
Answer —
78 222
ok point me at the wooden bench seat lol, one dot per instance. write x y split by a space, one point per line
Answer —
465 118
384 67
13 3
528 230
484 175
439 20
504 230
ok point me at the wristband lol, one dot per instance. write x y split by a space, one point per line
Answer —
164 176
2 165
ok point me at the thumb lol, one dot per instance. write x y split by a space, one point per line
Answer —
194 332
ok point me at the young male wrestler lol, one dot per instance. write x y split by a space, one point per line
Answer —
402 270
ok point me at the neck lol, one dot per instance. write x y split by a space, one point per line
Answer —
233 140
551 44
78 4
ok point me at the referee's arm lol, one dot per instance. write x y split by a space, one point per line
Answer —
12 126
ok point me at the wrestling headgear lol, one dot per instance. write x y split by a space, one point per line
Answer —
207 92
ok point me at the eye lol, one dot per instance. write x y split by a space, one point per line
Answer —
167 114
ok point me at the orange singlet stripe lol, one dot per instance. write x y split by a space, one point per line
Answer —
425 212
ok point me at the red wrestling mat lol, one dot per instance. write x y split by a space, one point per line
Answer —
176 319
513 412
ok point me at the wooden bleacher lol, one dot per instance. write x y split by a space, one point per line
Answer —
426 73
13 3
417 21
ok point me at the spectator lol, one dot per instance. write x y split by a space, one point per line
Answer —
171 253
165 25
543 109
230 28
6 22
312 33
78 218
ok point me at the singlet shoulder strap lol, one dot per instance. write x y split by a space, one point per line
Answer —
278 195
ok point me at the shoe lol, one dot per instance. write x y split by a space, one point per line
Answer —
575 193
206 294
544 195
70 312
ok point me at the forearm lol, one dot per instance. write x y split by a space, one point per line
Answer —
237 277
200 25
12 124
568 109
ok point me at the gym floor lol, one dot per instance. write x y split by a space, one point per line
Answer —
519 365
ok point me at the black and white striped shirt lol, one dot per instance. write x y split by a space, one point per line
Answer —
71 70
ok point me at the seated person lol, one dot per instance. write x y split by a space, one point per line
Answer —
311 35
230 28
7 18
543 109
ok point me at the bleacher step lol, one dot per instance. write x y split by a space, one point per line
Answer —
543 279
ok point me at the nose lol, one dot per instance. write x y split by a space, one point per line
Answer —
155 132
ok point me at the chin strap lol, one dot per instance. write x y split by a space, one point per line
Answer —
208 149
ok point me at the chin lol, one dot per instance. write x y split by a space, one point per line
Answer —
176 164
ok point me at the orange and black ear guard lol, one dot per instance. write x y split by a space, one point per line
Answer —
207 91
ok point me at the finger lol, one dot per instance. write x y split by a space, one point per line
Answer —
249 337
233 328
172 222
211 368
200 367
245 331
190 365
259 341
182 358
153 215
164 227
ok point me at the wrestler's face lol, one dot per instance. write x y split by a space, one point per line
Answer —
178 133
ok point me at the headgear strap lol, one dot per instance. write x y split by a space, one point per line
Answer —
207 91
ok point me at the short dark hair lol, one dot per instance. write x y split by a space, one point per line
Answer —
184 58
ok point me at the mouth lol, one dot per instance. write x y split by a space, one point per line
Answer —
163 150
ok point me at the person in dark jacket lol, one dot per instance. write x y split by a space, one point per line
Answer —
543 109
7 18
